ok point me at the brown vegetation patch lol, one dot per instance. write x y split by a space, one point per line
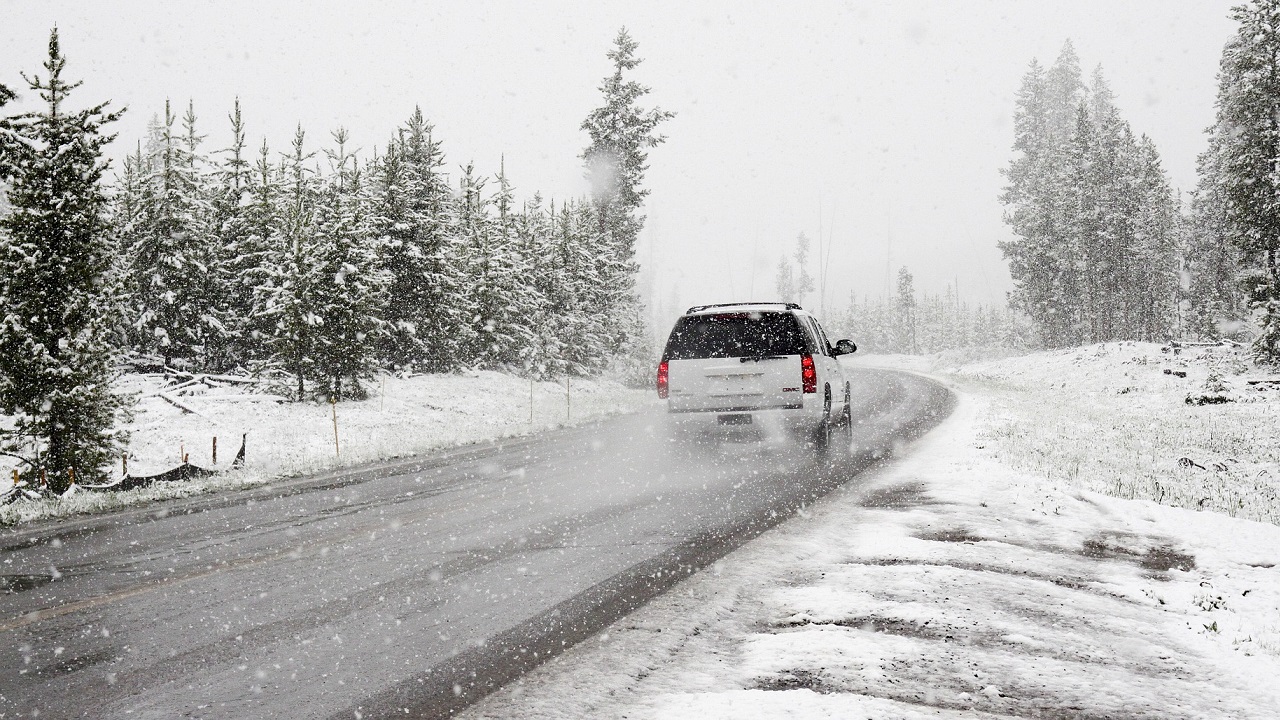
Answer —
905 495
952 535
1129 547
797 680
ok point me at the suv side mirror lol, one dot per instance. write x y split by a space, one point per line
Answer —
845 347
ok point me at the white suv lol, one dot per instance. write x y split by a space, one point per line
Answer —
754 364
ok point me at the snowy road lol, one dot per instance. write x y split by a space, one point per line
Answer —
415 586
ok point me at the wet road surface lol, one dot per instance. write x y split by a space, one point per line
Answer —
408 589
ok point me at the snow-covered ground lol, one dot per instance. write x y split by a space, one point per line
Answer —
1016 563
402 417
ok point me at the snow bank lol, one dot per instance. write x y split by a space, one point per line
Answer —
402 417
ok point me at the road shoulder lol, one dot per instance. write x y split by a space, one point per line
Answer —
945 584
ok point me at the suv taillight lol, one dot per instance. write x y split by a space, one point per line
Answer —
662 380
808 374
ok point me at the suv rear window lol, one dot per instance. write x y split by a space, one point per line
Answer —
725 335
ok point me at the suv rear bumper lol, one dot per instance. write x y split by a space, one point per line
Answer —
800 417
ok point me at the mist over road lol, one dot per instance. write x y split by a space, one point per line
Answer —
416 585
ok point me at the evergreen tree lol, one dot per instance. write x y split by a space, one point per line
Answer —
255 269
1064 91
237 255
171 253
290 288
803 280
58 294
621 133
905 304
1152 292
348 289
1212 262
784 281
1245 141
496 269
1035 213
412 207
1094 257
533 231
7 137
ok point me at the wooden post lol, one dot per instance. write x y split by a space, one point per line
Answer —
215 449
15 478
71 473
124 464
568 410
44 478
333 405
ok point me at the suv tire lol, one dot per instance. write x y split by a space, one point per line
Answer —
822 434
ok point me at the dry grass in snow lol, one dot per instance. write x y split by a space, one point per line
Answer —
1108 418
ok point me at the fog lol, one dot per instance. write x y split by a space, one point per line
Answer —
878 129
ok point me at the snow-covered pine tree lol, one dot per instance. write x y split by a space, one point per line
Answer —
784 281
1089 207
905 305
1034 215
1211 261
1152 288
6 137
349 286
472 236
256 269
290 288
211 338
127 223
512 303
621 133
1081 282
238 256
581 332
171 252
59 299
534 231
1246 140
803 280
1110 171
412 205
1064 91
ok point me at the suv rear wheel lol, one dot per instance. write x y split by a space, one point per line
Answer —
822 434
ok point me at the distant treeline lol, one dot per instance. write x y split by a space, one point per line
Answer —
930 324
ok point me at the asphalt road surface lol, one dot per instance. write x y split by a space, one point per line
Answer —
408 589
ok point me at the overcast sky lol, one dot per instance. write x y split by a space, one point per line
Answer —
864 121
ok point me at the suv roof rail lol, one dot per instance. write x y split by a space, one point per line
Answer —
700 308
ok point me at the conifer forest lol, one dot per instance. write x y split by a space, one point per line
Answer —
311 265
323 262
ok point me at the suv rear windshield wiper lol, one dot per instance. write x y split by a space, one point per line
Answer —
758 358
